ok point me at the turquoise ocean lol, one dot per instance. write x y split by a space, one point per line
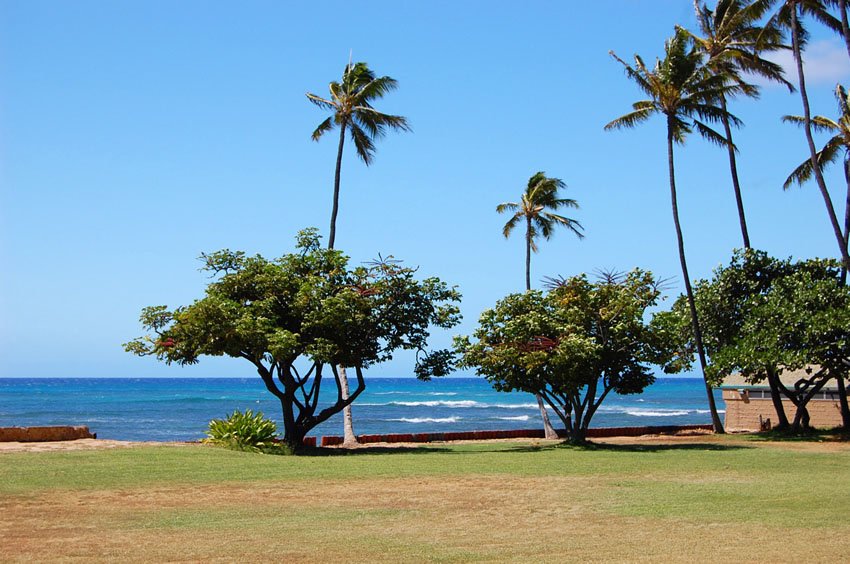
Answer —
178 409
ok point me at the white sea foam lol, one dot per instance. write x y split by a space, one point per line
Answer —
411 393
427 419
438 403
460 404
517 418
656 412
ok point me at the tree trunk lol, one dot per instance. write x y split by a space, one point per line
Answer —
548 431
733 168
845 27
846 212
528 254
813 154
776 398
842 402
335 208
715 418
349 438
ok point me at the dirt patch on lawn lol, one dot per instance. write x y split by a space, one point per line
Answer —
79 444
687 438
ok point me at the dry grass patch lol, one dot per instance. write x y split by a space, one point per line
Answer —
473 518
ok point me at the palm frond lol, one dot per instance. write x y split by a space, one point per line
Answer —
710 135
510 225
507 206
323 128
362 143
632 119
827 155
571 224
321 102
376 88
820 124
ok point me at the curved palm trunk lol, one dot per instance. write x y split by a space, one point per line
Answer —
846 212
548 431
528 254
335 208
845 27
715 418
349 438
830 209
842 392
733 168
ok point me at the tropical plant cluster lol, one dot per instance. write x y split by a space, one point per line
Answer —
246 431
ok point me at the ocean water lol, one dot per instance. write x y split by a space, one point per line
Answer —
178 409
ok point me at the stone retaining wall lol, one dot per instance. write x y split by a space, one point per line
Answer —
43 434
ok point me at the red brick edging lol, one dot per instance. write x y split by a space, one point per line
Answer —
511 434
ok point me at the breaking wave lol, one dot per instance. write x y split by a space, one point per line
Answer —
427 419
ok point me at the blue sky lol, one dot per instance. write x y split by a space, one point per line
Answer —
134 136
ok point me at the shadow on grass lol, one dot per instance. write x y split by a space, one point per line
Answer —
608 447
807 436
359 451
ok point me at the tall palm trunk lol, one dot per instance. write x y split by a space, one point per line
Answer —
349 438
807 116
733 167
715 418
548 431
845 27
335 208
528 254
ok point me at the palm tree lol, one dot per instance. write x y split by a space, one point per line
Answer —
351 110
788 17
351 107
837 146
732 40
845 26
681 89
540 196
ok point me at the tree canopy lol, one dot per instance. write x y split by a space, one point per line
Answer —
572 344
762 316
295 316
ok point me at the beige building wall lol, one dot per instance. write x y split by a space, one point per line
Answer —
742 412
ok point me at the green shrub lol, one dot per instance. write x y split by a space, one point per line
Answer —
244 431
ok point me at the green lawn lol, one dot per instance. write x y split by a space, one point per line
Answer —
726 500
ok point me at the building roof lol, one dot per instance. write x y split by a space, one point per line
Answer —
788 377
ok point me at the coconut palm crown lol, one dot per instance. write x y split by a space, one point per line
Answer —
540 196
838 145
732 40
788 17
350 104
686 94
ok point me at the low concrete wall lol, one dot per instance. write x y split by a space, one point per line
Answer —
512 434
43 434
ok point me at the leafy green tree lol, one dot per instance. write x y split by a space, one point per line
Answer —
788 16
573 344
297 318
351 110
732 41
681 90
762 316
535 209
